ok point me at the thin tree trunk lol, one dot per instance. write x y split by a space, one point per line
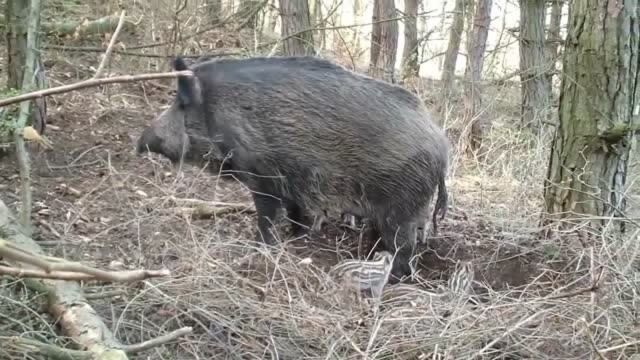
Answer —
317 23
384 41
554 40
214 10
357 14
598 112
443 18
16 18
535 104
453 48
17 13
29 68
296 27
476 45
248 13
272 16
410 66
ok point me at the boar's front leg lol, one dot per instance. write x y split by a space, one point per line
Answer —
266 210
299 220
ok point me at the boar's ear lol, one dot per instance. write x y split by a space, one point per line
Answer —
189 92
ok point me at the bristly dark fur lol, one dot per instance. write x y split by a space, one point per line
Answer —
309 134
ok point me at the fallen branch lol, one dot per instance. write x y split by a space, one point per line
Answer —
85 26
91 83
56 352
112 42
203 209
198 202
119 276
49 351
206 212
160 340
56 268
104 294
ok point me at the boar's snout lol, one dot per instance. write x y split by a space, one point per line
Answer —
148 140
171 148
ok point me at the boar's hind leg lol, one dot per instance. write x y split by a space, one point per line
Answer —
266 209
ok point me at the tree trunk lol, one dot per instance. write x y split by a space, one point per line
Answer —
296 27
535 104
598 112
476 44
453 48
16 17
410 66
553 41
272 16
384 41
358 10
248 12
214 10
317 23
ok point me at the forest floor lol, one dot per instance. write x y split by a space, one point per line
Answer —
98 202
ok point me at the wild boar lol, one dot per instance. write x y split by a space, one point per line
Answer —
314 137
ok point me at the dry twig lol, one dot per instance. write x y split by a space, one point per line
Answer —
112 42
160 340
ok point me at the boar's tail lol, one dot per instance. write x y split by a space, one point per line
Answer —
442 203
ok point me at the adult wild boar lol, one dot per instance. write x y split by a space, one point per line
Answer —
313 136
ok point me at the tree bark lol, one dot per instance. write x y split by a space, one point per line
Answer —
453 48
410 65
384 41
476 44
535 102
296 27
598 113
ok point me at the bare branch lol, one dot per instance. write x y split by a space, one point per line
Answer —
160 340
92 82
61 269
112 42
220 52
120 276
104 294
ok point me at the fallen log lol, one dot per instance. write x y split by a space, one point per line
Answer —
201 209
107 24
